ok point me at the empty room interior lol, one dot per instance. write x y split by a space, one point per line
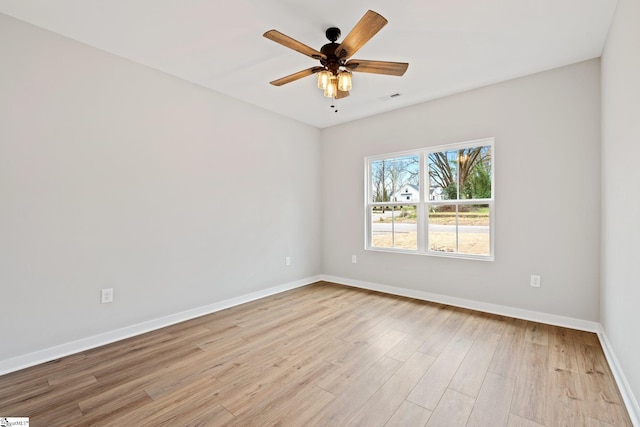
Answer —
444 237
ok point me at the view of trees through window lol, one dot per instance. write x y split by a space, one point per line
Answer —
390 175
454 203
395 180
455 175
461 174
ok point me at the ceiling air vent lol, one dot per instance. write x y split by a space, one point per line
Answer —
389 97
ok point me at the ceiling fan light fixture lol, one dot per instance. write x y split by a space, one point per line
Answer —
344 81
324 77
332 88
334 74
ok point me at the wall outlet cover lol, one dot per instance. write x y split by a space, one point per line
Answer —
106 295
535 281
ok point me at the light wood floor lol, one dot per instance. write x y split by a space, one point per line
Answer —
330 355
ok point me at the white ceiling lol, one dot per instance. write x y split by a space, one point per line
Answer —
451 45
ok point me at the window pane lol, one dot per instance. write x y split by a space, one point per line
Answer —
381 227
443 175
442 228
395 179
473 230
394 227
475 172
406 228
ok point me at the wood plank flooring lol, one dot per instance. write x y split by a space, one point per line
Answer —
329 355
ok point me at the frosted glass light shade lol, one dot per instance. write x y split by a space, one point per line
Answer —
324 77
344 81
332 88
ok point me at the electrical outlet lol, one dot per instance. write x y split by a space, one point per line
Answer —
535 281
354 259
287 261
106 296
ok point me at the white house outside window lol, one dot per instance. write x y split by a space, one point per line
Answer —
434 201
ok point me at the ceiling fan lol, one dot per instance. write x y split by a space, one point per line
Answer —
334 73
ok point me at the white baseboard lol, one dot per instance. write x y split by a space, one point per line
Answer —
519 313
623 385
52 353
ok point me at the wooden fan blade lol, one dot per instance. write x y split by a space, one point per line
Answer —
364 30
377 67
296 76
341 94
287 41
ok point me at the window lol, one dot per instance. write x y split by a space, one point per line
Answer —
434 201
393 218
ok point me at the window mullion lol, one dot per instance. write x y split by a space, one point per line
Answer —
393 226
424 194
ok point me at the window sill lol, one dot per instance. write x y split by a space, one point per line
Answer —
433 254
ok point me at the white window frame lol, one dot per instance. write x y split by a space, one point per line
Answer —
424 203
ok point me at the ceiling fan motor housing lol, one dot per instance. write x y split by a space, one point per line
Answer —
332 63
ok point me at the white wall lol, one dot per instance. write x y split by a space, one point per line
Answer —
620 307
115 175
547 135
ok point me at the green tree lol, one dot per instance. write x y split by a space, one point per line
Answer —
470 168
478 184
